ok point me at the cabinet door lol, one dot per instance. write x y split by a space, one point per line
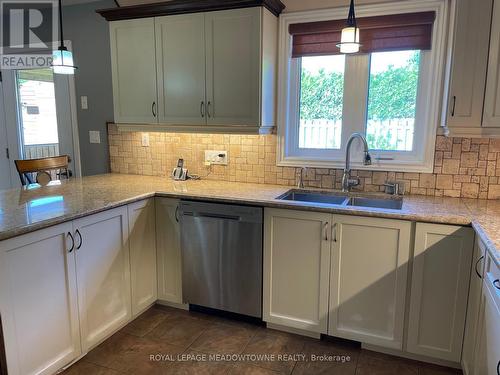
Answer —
103 274
368 279
233 66
180 45
440 280
487 358
470 60
491 116
168 250
142 241
471 321
296 269
38 301
133 67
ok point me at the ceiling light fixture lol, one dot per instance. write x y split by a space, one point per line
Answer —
349 41
62 62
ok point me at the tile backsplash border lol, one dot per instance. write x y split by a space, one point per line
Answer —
463 167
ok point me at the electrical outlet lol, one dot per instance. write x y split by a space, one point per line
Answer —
95 136
216 157
145 139
85 104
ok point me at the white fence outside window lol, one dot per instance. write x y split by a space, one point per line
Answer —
397 134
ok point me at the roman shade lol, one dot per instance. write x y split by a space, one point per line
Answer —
398 32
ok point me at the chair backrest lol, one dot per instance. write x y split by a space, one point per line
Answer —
52 167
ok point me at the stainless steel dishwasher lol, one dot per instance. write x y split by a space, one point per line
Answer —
222 257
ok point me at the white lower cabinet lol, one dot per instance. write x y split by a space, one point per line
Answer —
439 290
38 301
368 279
296 269
103 274
142 241
473 305
168 250
487 354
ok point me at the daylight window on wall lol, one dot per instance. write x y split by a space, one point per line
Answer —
321 101
392 100
382 91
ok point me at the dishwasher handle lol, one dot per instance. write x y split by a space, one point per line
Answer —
212 215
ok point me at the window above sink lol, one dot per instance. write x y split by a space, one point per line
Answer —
388 95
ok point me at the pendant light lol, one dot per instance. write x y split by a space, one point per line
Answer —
62 62
349 41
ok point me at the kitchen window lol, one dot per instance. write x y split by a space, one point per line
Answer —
390 91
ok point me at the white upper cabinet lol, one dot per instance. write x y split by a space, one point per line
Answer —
296 269
439 290
142 240
38 301
133 64
215 71
180 44
492 98
233 66
470 60
368 279
103 274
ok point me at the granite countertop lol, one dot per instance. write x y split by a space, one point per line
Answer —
28 209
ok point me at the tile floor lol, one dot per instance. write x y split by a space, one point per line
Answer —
185 342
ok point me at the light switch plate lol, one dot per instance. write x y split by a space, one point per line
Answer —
85 104
145 139
95 136
216 157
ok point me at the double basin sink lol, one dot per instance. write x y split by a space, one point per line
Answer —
341 199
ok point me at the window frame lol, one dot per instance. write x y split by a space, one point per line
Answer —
429 96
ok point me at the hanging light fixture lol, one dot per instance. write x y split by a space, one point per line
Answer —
349 41
62 62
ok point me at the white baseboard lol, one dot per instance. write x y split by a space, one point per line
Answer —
295 331
181 306
416 357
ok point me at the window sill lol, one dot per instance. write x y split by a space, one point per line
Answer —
392 166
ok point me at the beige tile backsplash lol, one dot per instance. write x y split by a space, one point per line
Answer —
464 167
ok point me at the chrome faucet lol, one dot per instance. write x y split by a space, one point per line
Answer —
300 183
347 180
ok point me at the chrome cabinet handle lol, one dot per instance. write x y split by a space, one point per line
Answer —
153 109
208 109
202 109
453 106
335 232
81 239
177 213
325 231
496 284
72 242
475 267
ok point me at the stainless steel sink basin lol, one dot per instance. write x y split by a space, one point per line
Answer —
391 204
315 197
339 199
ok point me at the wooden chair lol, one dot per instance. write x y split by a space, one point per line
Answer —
43 170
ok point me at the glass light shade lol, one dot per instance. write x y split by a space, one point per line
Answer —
349 41
62 62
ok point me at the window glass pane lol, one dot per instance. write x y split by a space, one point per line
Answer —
321 100
392 100
37 108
